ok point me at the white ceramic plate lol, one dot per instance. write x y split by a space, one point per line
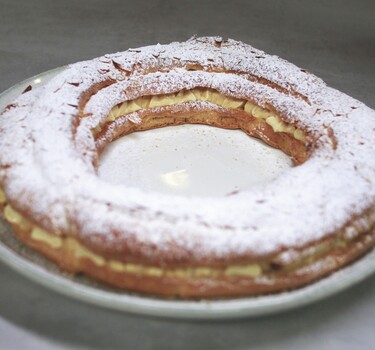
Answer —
178 160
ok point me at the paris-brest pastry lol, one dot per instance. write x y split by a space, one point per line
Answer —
308 222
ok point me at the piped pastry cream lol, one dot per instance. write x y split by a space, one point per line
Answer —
298 228
16 218
204 95
53 241
76 251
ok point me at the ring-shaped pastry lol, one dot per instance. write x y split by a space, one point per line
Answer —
305 224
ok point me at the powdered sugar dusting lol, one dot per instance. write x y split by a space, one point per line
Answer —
51 166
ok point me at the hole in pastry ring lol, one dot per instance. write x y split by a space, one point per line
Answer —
303 225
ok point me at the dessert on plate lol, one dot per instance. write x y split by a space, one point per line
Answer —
307 223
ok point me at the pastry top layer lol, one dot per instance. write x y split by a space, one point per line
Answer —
48 154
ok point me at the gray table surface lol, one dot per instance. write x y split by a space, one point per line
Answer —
333 39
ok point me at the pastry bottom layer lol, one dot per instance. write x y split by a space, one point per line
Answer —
194 282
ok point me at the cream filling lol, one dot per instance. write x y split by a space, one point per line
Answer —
81 252
253 270
37 234
272 119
